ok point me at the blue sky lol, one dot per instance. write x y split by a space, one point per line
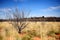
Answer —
37 7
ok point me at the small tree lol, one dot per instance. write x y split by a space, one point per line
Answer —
19 20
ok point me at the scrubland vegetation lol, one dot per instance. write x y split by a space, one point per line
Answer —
28 30
33 31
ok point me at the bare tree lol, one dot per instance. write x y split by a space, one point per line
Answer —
19 20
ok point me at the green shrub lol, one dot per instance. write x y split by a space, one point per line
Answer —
27 37
18 38
32 33
51 33
7 32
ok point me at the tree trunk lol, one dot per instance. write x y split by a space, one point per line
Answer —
19 30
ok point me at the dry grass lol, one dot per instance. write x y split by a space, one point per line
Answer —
7 32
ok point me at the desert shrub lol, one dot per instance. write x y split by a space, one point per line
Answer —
27 37
1 38
32 33
51 33
2 35
18 38
8 32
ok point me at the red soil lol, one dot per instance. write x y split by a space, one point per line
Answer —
36 38
22 34
58 35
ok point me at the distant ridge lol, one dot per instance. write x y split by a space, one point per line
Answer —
35 19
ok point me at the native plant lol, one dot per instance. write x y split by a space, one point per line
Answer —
18 19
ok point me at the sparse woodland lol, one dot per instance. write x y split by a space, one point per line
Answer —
27 30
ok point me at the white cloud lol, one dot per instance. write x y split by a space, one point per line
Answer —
5 10
51 8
